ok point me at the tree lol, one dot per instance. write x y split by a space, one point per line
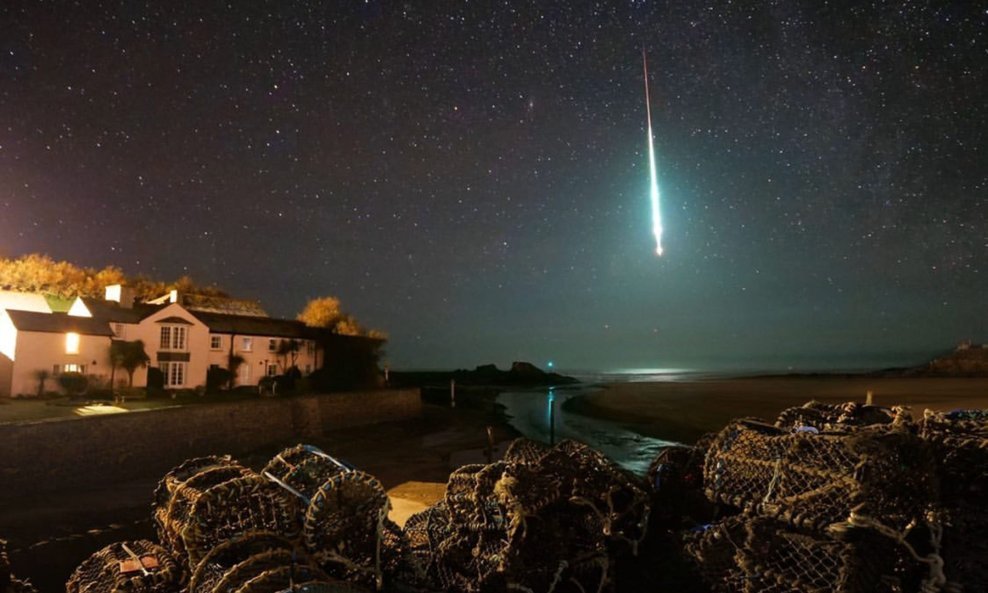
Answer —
286 349
233 363
325 312
42 375
129 356
321 312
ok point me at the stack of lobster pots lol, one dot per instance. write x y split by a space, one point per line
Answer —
959 441
306 522
837 498
8 582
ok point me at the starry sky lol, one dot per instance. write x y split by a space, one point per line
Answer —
472 177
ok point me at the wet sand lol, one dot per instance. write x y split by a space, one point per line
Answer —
683 411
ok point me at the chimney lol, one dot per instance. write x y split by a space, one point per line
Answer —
122 295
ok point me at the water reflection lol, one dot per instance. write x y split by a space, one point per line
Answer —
541 415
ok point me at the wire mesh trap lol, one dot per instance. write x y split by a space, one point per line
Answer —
344 527
132 566
960 443
812 480
180 489
544 519
303 469
839 417
237 506
4 566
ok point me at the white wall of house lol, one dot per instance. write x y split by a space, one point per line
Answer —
8 346
260 355
47 350
195 344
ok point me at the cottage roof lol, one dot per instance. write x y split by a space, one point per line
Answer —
223 305
58 323
111 312
23 301
249 325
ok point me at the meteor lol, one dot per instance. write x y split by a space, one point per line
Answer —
654 187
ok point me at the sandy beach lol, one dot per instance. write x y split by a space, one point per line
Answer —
682 411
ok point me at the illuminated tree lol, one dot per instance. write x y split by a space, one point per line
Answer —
129 356
325 312
321 312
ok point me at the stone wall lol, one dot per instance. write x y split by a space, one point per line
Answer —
82 453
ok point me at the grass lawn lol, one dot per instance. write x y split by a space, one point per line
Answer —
31 409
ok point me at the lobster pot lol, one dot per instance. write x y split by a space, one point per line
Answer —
303 468
777 558
964 547
19 586
713 548
180 474
345 527
134 566
589 479
546 519
675 483
527 451
425 531
814 480
292 579
236 507
239 556
960 443
4 567
171 512
839 417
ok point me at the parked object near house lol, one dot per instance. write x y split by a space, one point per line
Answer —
184 336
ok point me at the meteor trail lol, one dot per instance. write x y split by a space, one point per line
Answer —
654 188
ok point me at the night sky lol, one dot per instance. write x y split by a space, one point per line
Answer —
472 177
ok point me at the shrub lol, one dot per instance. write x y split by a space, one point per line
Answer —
73 383
156 382
217 378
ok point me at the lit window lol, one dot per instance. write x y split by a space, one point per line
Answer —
173 337
174 373
73 368
215 342
72 343
246 344
272 345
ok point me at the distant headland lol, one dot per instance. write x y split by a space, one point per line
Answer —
521 374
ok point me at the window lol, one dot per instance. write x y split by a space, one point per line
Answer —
272 345
272 370
69 368
72 343
173 337
118 330
215 342
246 344
310 347
174 373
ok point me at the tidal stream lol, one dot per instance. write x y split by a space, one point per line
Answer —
539 415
